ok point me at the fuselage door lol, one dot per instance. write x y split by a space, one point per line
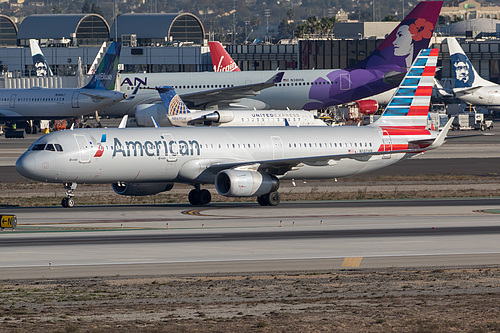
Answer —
12 101
345 81
74 100
387 142
83 147
277 147
172 147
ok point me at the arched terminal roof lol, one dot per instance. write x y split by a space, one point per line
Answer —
152 29
82 29
8 31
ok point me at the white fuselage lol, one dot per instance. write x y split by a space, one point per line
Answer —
487 96
47 103
292 92
184 154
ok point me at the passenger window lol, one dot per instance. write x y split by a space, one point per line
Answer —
39 147
50 147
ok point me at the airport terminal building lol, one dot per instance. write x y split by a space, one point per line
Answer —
177 43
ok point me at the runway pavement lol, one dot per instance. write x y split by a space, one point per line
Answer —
295 236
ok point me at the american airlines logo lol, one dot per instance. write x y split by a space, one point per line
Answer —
156 148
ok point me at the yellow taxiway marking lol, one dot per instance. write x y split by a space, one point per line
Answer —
352 262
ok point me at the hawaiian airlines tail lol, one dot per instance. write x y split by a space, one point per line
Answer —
464 74
105 76
173 103
41 66
406 41
221 60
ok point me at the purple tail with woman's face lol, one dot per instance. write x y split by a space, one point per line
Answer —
385 67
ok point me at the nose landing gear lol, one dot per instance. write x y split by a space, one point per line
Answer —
69 202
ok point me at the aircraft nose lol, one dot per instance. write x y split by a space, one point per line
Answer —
25 165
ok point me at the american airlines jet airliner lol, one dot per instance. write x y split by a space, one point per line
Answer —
240 161
315 89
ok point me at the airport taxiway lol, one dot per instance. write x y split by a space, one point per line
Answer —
236 237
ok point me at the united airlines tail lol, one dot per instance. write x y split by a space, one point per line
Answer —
409 106
105 76
173 103
464 74
39 62
221 60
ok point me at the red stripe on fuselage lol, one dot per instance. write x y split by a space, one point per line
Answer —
393 147
406 130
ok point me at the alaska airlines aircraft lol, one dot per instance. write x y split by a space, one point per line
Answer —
48 103
178 114
42 68
299 89
469 86
241 162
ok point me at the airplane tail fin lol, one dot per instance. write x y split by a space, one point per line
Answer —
221 60
464 74
405 42
105 75
409 106
39 62
173 103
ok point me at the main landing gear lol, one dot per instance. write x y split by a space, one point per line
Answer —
69 202
198 197
269 199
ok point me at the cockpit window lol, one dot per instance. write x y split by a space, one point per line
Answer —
39 147
50 147
58 147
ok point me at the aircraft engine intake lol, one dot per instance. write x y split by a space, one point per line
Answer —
220 116
140 189
244 183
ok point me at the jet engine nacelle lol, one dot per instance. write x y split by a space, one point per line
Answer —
140 189
220 116
367 106
144 112
244 183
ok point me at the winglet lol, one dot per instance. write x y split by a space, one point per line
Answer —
123 123
277 78
172 102
442 135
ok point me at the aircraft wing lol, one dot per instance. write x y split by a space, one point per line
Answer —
282 166
228 95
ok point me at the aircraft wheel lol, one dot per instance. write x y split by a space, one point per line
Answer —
204 197
64 202
71 203
194 198
262 200
273 199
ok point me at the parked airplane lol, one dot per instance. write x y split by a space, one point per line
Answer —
48 103
299 89
221 60
469 86
241 162
178 114
42 68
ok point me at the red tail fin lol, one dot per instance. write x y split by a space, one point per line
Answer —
221 60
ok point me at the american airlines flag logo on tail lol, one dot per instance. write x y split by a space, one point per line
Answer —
410 104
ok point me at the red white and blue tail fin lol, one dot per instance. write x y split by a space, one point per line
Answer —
172 102
410 104
221 60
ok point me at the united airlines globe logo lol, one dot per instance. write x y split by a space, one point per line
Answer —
176 106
